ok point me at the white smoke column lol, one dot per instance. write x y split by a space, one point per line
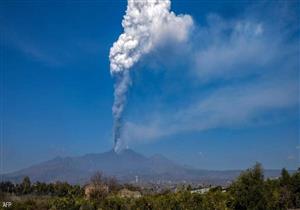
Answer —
121 86
147 23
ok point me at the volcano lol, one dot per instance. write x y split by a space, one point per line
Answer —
124 166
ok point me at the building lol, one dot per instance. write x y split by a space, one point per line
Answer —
89 189
125 193
201 191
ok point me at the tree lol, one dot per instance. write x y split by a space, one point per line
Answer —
248 190
215 199
285 189
97 179
272 194
97 189
285 178
41 188
295 189
7 187
26 185
113 185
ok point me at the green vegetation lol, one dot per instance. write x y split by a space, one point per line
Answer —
249 191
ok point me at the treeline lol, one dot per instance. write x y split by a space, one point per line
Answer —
250 191
59 189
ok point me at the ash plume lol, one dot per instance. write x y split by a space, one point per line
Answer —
146 24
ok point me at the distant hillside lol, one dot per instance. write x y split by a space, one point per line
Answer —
125 166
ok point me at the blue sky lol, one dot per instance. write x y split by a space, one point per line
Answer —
224 99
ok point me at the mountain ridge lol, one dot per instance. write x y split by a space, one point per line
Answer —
125 166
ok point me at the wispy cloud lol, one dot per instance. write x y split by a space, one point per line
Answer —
242 47
291 157
42 49
231 47
231 107
51 53
36 53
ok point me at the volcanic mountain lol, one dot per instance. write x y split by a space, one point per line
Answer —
125 166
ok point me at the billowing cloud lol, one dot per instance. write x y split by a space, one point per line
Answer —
146 24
